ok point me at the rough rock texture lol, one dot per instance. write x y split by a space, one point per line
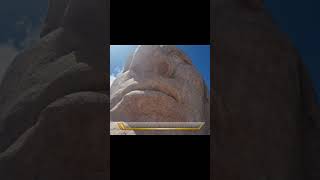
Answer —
159 84
53 98
266 120
67 142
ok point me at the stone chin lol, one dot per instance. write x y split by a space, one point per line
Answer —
146 100
147 105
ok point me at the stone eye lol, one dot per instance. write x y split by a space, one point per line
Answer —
163 68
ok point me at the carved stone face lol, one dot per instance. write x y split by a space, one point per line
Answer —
159 83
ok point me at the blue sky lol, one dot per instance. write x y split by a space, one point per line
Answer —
20 22
199 54
300 20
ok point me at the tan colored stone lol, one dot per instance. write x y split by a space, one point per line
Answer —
159 84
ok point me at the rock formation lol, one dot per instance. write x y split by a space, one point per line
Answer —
53 98
159 84
265 118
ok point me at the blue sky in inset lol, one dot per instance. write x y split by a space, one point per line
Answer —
199 54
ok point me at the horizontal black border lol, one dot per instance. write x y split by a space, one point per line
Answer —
160 22
163 157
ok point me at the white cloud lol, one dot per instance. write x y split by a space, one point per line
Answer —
112 78
115 73
32 34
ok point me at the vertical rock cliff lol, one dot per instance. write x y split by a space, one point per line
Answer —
266 120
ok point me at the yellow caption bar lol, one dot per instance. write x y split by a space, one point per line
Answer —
160 126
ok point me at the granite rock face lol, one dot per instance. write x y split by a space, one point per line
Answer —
266 120
53 98
159 84
67 142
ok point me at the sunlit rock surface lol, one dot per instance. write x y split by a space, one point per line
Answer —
160 84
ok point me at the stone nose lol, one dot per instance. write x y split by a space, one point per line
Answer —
151 60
